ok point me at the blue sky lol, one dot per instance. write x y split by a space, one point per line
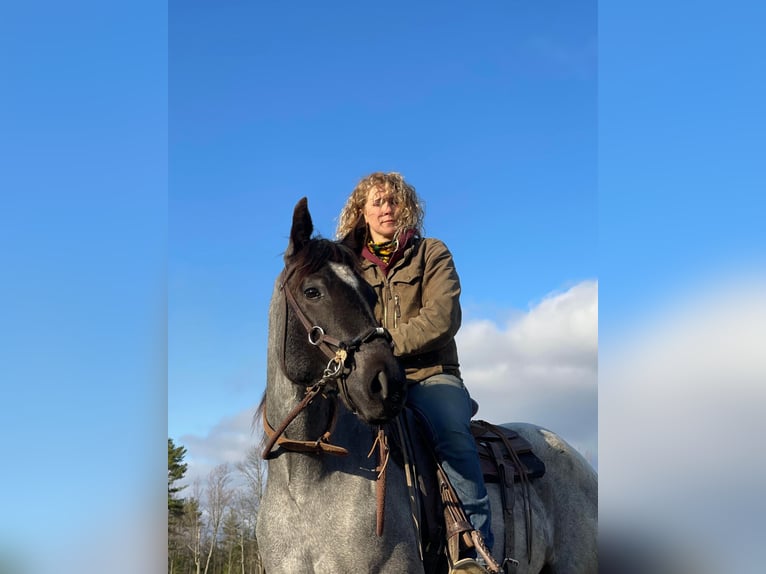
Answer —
151 154
681 171
490 112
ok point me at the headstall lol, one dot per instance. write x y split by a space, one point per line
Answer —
338 353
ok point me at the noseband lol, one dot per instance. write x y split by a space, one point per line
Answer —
338 352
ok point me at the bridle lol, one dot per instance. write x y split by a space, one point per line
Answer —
339 353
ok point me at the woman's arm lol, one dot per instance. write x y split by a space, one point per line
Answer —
433 321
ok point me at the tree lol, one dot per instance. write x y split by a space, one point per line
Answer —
176 506
176 471
253 470
213 531
218 501
192 526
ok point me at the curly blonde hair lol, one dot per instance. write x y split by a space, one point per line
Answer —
411 213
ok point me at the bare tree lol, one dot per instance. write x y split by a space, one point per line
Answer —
253 470
192 525
215 534
235 534
218 499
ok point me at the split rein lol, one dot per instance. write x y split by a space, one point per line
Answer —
338 352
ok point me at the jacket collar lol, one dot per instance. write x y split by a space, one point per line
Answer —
405 240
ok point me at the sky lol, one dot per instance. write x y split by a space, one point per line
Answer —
597 172
489 112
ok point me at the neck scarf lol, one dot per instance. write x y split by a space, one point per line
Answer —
383 251
386 254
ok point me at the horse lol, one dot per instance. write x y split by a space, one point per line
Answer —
335 500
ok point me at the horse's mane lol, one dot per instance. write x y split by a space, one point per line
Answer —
315 254
257 423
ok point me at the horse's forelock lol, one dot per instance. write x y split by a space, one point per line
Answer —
316 254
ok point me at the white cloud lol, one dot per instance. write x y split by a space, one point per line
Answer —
540 366
227 442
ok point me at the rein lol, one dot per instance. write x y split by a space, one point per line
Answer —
322 444
338 371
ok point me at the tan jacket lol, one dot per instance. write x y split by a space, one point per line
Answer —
419 303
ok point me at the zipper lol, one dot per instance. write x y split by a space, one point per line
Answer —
387 293
397 311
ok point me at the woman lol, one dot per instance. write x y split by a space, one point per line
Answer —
418 293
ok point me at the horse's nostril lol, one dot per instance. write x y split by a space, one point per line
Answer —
376 387
379 385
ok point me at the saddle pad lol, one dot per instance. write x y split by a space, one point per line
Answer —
488 443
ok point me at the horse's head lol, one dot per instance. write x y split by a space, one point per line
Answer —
330 331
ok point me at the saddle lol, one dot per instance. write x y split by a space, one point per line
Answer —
506 458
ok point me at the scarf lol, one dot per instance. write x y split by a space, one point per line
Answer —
383 251
387 253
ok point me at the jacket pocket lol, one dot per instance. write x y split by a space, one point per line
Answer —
406 297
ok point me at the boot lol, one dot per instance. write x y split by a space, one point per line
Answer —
467 566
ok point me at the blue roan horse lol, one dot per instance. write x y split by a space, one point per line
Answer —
327 509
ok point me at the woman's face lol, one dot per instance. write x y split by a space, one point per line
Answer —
381 213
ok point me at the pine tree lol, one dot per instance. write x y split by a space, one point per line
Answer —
176 506
176 471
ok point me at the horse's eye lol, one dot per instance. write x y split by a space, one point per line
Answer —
312 293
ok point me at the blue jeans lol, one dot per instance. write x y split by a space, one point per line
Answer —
444 402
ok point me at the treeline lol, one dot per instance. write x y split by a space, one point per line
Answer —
211 523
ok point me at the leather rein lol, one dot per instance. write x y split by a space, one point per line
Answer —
338 352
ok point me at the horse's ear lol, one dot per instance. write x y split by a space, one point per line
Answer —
300 234
355 238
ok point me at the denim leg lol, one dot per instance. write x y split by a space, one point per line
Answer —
445 403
